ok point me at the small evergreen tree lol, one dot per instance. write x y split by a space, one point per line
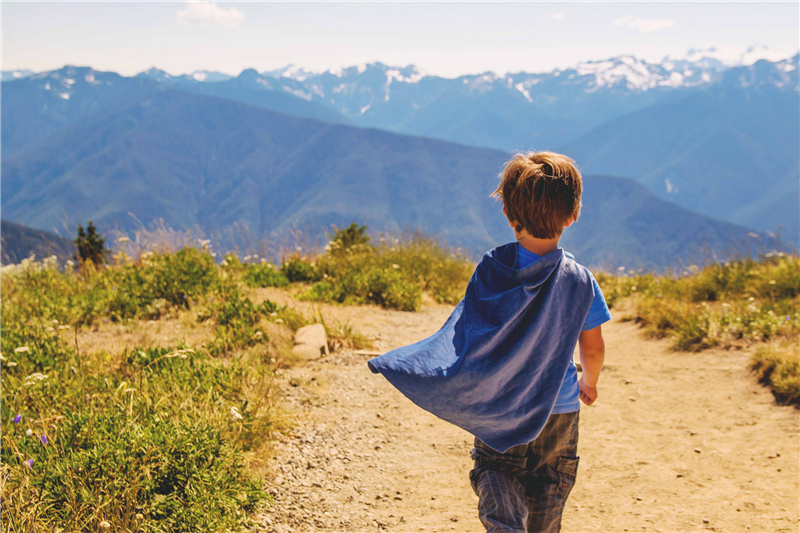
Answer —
90 244
349 237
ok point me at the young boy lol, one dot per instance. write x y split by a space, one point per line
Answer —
501 366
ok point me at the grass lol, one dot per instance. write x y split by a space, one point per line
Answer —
161 437
392 274
733 304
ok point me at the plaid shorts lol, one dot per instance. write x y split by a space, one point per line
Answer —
525 488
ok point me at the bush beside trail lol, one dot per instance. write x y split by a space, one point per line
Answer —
731 304
149 438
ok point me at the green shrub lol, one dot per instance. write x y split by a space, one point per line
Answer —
148 440
393 274
298 269
778 366
264 276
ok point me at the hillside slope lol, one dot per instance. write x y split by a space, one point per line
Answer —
19 242
729 152
201 162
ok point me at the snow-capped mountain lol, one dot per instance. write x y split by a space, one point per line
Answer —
209 76
16 74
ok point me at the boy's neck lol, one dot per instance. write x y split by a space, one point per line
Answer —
536 246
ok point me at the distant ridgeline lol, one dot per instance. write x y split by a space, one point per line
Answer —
710 164
19 242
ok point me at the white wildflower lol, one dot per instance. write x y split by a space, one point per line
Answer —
395 266
235 414
279 321
29 432
105 525
258 335
22 349
34 378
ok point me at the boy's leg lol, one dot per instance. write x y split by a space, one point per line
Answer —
553 463
496 479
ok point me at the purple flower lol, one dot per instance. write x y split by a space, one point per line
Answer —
184 296
106 309
114 288
44 439
106 320
29 462
17 419
787 319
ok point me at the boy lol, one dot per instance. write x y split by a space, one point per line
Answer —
501 366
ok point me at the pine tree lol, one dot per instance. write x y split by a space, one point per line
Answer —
90 245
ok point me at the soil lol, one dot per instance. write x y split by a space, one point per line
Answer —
675 442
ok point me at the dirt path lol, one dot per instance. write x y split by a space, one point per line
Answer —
676 442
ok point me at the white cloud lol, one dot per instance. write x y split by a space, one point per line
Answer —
557 16
208 14
644 25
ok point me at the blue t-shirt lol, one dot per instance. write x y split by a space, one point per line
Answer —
567 401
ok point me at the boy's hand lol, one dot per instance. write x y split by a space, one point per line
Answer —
588 394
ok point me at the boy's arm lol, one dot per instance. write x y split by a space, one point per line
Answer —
593 352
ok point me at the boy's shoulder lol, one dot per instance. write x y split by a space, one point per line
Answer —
574 267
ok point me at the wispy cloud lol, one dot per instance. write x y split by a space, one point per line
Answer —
209 14
557 16
644 25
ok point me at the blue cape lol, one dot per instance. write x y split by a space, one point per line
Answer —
496 366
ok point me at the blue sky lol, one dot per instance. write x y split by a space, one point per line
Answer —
446 39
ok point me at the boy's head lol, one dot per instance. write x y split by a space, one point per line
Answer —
541 193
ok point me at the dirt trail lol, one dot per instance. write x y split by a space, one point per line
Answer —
675 442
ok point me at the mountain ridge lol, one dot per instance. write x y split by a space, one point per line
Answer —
199 161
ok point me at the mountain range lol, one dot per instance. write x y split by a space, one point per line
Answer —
208 150
202 162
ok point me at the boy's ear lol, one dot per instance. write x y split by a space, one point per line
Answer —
570 222
511 223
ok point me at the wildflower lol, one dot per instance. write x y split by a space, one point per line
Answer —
235 414
22 349
271 359
29 432
620 269
106 321
43 438
258 335
772 282
787 318
17 419
104 524
184 296
29 462
658 295
33 378
395 266
279 321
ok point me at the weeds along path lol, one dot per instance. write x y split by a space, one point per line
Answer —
676 442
